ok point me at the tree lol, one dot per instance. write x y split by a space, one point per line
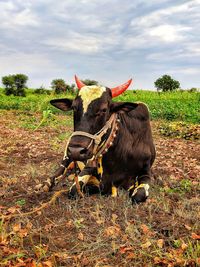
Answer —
8 82
58 85
90 82
20 84
166 83
15 84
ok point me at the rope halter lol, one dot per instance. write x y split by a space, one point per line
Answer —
99 148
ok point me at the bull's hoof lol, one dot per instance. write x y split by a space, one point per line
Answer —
73 192
140 194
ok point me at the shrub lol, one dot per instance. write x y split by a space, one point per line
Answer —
42 91
193 90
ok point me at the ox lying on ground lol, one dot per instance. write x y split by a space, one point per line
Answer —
113 139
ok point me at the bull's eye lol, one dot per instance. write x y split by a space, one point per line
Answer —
104 110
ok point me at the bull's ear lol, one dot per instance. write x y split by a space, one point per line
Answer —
122 106
64 104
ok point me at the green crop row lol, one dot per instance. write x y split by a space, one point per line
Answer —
181 106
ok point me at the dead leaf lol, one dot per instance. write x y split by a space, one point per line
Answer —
195 236
146 245
113 231
31 263
48 227
69 224
16 227
13 209
188 227
81 236
160 243
130 256
125 249
29 225
23 232
47 263
145 228
100 221
184 246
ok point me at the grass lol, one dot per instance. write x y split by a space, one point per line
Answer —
172 106
96 230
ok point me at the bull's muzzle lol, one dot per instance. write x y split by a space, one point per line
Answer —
78 153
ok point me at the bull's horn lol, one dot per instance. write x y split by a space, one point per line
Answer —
120 89
79 83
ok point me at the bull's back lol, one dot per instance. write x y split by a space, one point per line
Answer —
133 149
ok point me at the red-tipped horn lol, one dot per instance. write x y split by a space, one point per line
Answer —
120 89
79 83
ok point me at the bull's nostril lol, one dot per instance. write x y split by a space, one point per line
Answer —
83 151
77 152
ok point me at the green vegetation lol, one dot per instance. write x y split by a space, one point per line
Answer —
180 129
59 86
172 106
181 106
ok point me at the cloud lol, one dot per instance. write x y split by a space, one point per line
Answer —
169 33
105 40
13 16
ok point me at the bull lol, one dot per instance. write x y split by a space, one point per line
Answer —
113 139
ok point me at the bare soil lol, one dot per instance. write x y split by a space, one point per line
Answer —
95 230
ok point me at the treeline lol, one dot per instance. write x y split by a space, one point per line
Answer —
16 84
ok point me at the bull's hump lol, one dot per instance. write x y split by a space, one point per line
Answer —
90 93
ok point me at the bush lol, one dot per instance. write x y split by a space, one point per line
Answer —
193 90
42 91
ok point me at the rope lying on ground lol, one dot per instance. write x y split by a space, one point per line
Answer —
44 205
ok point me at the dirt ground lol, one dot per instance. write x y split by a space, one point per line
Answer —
96 230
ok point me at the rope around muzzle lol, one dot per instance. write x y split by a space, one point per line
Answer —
96 138
99 147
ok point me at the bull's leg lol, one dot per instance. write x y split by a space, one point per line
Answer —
140 191
83 178
53 180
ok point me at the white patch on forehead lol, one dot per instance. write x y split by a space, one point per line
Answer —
90 93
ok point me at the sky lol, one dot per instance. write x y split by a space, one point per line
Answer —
109 41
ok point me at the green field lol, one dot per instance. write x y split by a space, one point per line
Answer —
172 106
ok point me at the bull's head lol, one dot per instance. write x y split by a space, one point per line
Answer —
92 108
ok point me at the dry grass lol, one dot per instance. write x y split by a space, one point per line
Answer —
95 231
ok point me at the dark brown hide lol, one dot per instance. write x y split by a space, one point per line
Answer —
132 153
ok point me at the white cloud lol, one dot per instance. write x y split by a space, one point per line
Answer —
83 44
169 33
13 16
